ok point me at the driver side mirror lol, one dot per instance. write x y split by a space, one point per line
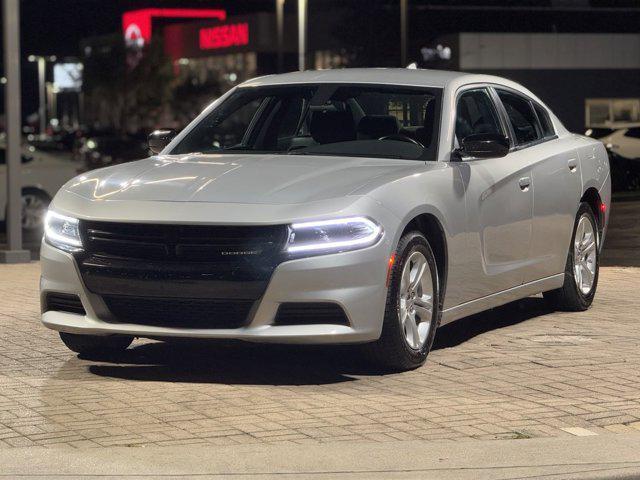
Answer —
158 139
484 145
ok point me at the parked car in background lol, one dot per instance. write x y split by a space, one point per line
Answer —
61 140
43 173
598 132
624 142
102 151
623 146
348 206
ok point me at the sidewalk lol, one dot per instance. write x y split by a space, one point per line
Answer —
594 457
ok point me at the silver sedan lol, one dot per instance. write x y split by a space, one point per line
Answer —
350 206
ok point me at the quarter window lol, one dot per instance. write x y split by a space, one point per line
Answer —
526 127
475 114
545 121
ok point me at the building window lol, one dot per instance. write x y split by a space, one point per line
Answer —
604 112
325 59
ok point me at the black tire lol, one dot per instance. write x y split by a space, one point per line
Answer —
391 350
569 297
92 344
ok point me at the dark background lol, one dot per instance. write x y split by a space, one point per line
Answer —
371 27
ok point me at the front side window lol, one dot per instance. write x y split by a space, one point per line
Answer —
321 119
476 113
522 117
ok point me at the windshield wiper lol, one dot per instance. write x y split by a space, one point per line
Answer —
237 147
337 154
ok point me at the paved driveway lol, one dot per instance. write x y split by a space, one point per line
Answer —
519 371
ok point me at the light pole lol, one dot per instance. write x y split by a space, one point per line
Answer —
302 34
42 93
13 123
280 28
403 32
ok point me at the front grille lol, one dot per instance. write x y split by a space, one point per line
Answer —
63 302
310 314
183 276
179 313
182 243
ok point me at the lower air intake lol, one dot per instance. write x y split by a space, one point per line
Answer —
179 313
63 302
311 314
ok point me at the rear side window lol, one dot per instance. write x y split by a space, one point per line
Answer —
545 121
523 119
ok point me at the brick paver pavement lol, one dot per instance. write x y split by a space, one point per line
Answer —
516 372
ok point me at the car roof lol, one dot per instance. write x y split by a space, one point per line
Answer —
390 76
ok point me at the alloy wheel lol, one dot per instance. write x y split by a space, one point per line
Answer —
585 255
416 300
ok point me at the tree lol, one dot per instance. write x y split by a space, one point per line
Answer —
126 88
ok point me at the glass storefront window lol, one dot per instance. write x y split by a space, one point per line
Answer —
603 112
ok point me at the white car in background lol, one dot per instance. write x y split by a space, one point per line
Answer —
624 142
43 173
623 146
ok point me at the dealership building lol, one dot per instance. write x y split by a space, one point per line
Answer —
589 80
236 48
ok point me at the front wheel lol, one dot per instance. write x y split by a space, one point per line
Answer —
582 267
92 344
412 310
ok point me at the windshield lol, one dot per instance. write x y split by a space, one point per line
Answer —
325 119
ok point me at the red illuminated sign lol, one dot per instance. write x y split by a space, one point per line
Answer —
223 36
136 25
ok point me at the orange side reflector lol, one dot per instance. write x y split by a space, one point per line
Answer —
392 260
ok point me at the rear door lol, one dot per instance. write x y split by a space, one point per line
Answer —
499 199
555 171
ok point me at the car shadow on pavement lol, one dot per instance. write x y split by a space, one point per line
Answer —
235 363
462 330
241 363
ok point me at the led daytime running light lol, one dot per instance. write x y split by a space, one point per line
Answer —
337 245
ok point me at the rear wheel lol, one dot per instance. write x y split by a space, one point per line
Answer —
91 344
412 310
582 267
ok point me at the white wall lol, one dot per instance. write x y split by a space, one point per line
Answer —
549 51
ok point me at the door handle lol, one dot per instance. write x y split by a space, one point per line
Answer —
573 165
525 183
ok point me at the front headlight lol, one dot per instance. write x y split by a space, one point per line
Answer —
62 232
331 236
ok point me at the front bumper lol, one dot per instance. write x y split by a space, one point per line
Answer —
354 280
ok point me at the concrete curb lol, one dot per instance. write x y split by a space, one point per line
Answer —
594 457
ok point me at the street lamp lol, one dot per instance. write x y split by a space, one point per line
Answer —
280 29
302 34
403 32
11 46
42 107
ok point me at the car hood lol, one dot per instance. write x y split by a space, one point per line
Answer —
231 178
